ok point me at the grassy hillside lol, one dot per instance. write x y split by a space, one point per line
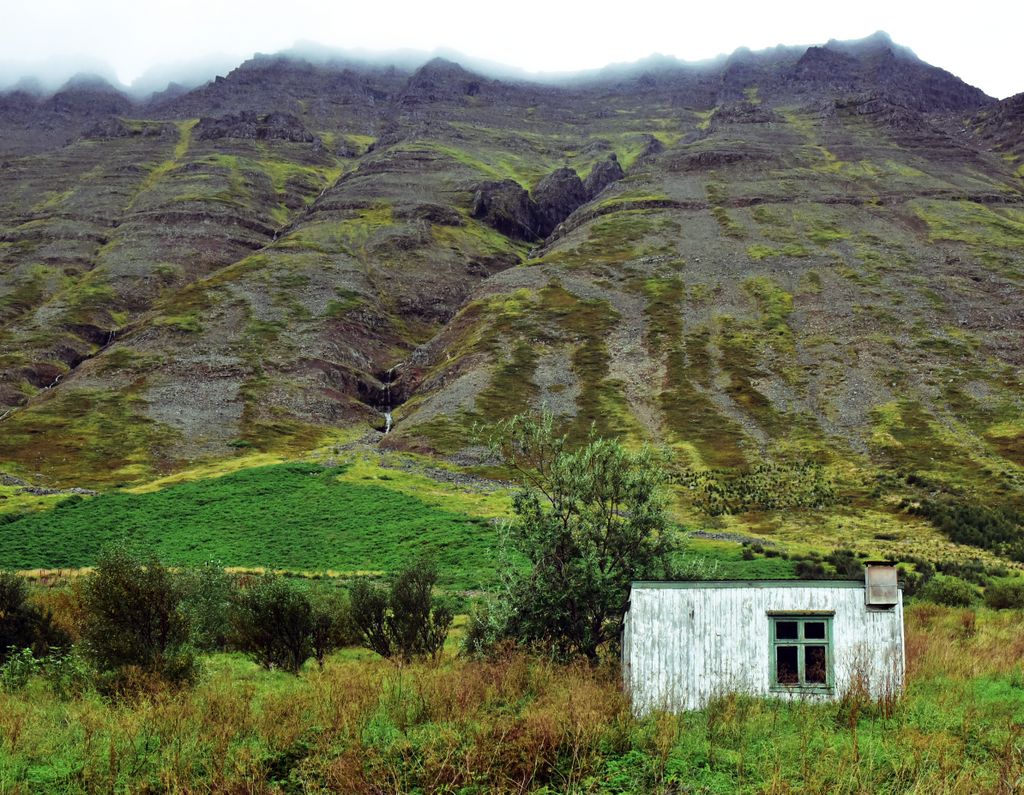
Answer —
299 517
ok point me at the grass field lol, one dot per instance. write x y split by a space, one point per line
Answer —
363 516
520 724
299 517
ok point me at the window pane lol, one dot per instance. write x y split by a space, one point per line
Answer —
785 630
814 630
786 669
814 665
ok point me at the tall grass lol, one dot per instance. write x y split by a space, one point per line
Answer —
522 724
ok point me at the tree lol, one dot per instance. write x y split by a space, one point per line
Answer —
207 591
588 522
281 624
273 623
24 625
406 621
133 619
331 624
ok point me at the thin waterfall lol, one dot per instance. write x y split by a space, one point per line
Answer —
387 406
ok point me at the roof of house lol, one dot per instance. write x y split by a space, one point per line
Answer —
748 584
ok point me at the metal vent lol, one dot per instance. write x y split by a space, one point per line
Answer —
881 587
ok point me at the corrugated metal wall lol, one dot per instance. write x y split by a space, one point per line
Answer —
684 645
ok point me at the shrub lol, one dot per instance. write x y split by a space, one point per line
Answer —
485 628
949 591
1005 595
206 594
846 563
66 672
282 624
406 621
370 617
810 570
332 625
19 665
273 623
994 527
24 625
134 628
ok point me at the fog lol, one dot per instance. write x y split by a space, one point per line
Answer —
141 47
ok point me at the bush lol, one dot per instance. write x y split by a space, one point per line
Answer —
406 621
485 628
24 625
67 673
273 623
332 626
810 570
949 591
19 665
1005 595
993 527
846 564
134 628
206 594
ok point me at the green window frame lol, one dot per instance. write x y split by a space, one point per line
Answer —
801 653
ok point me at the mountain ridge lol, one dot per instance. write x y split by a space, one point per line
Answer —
798 255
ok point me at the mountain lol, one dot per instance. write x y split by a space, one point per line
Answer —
800 271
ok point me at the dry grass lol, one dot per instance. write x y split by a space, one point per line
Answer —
518 724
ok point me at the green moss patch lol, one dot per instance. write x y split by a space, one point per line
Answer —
84 437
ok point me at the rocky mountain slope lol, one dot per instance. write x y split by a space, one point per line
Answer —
801 271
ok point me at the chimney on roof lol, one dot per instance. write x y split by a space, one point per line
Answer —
881 588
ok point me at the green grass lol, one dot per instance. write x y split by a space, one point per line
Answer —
523 724
298 517
774 304
759 251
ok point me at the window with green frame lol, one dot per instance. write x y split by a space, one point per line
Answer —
801 651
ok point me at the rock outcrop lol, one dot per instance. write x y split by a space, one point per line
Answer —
249 126
507 207
602 175
556 197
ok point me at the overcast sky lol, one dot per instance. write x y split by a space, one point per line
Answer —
979 41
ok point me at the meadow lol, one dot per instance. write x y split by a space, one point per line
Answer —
294 516
518 723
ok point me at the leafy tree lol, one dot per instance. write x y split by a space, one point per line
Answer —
24 625
206 594
273 623
406 621
133 619
588 522
281 624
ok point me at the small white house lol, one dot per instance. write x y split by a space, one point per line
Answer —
684 643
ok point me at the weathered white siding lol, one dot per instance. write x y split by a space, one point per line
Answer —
684 643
